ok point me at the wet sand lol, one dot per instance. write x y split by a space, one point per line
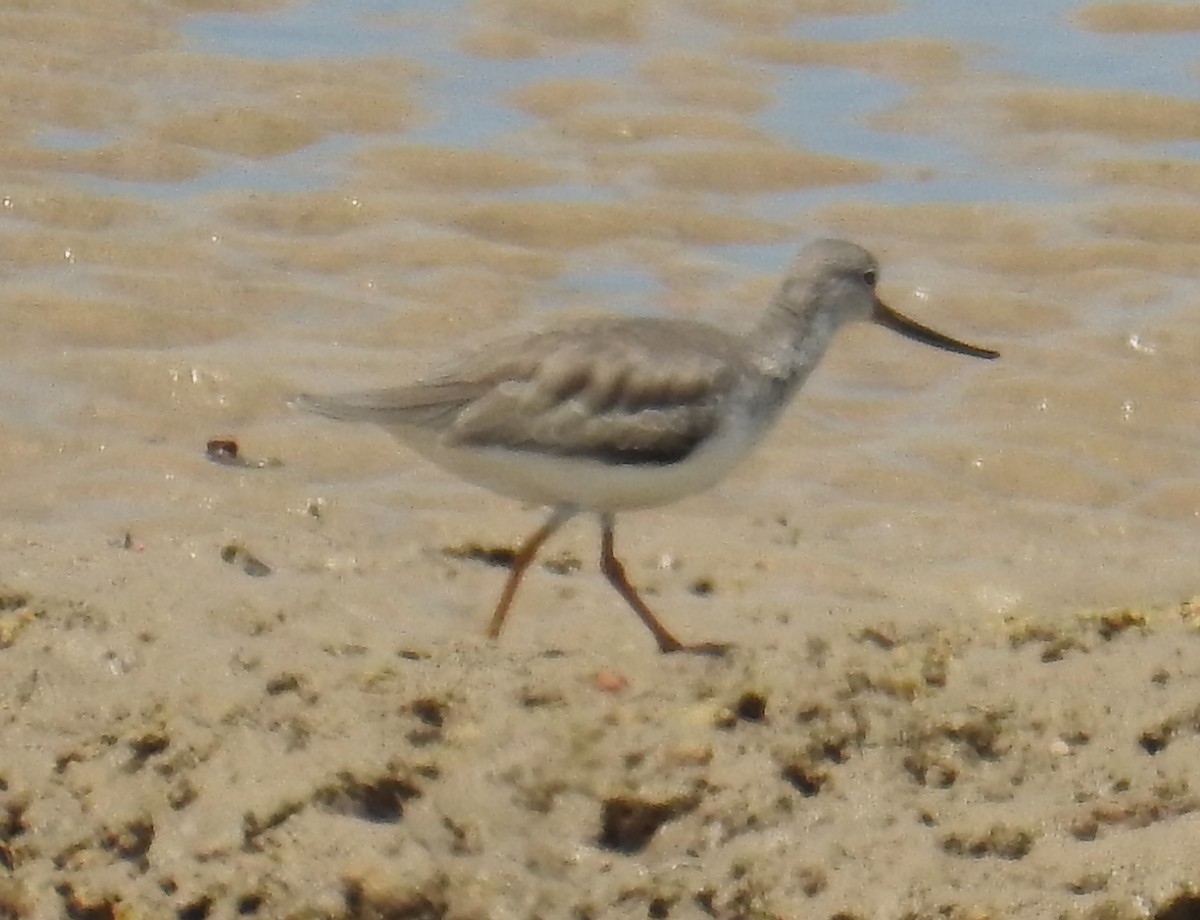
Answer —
963 596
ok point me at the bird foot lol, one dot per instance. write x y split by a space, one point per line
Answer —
708 649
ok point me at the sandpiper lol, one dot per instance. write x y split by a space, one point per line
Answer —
621 413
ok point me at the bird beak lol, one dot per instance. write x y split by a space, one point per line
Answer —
898 322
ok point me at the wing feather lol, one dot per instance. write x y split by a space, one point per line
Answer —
632 392
629 391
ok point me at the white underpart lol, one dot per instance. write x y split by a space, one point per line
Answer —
591 485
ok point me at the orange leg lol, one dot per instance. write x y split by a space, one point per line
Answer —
615 573
521 562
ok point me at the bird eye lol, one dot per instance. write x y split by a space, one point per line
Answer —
869 277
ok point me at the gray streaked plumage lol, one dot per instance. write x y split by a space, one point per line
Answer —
621 413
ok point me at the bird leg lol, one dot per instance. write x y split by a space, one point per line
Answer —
521 562
615 573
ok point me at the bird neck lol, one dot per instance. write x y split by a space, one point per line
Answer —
789 345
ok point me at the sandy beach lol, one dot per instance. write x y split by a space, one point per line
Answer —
963 597
273 760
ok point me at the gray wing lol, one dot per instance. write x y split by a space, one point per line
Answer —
421 405
631 391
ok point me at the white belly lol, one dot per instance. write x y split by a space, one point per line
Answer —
590 485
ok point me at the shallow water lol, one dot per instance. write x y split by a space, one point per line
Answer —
205 211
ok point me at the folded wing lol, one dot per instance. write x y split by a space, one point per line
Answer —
586 392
